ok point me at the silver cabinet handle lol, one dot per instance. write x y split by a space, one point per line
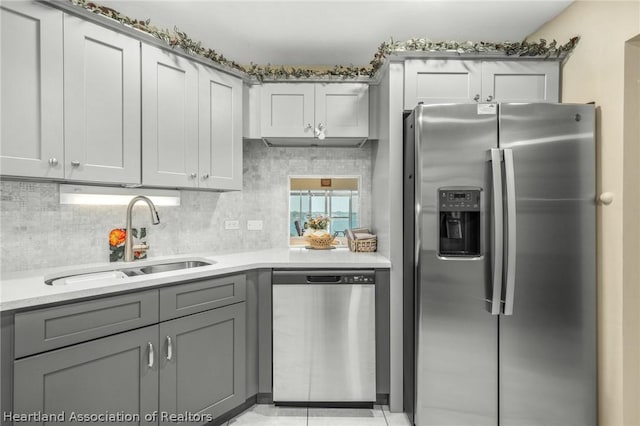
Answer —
193 175
205 176
169 349
498 247
75 163
489 98
151 355
476 98
53 162
511 231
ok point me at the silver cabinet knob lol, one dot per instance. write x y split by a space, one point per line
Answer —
75 163
476 98
53 162
489 98
319 131
193 175
205 176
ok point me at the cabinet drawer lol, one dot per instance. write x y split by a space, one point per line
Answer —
50 328
185 299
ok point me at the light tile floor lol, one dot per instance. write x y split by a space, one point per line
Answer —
270 415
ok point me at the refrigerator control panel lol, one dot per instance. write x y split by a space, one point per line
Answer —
459 200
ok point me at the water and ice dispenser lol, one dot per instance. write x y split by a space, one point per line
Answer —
459 222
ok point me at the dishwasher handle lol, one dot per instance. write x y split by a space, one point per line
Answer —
311 279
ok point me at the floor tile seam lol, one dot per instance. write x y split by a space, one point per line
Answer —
384 415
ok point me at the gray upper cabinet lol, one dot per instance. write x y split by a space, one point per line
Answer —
294 110
342 109
113 374
432 81
32 92
287 110
220 137
521 81
191 124
101 104
169 119
203 362
85 103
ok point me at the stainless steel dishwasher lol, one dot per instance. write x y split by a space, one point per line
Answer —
324 336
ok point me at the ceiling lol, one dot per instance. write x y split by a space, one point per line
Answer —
330 32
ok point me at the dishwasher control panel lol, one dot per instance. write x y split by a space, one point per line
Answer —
324 276
358 279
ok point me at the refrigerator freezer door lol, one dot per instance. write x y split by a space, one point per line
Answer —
456 339
548 345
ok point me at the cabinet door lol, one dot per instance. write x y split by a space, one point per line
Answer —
102 104
521 81
203 362
111 374
169 119
32 98
220 112
434 81
287 110
343 109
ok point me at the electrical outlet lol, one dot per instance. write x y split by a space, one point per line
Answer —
254 225
231 224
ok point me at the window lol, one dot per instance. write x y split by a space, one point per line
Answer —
333 197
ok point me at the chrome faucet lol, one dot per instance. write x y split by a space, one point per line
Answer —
155 219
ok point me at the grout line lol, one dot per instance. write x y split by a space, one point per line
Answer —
384 415
307 416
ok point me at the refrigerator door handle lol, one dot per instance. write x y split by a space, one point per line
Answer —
511 232
498 224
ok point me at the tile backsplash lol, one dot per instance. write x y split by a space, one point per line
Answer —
37 232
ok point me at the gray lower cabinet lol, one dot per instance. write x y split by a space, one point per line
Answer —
116 374
187 370
202 367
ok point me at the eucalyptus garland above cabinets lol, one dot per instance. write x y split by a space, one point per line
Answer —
177 38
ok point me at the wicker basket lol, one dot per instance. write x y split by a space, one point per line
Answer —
320 242
366 245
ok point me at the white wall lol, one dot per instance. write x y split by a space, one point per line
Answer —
595 71
631 235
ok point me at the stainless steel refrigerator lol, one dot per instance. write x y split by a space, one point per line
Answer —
500 265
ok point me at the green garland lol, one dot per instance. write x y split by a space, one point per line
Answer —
177 38
523 48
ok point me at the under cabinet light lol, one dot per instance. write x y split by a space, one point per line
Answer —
108 196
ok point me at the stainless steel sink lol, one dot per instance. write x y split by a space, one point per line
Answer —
114 275
164 267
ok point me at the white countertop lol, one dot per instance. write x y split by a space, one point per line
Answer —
27 289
